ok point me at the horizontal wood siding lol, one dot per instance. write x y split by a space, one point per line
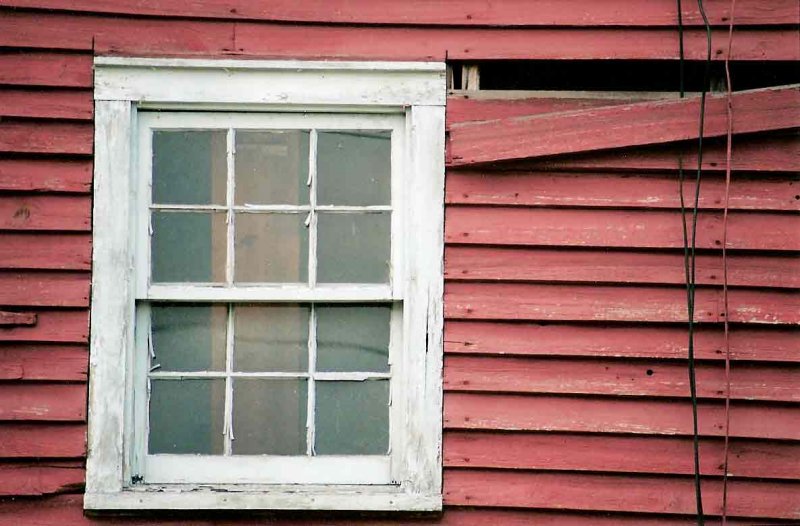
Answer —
566 396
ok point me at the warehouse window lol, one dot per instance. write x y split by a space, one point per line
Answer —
268 273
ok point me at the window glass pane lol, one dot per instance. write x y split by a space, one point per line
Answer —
353 338
189 167
353 167
269 416
352 418
270 338
186 416
271 248
188 337
271 167
188 246
353 248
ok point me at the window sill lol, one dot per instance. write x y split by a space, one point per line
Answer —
273 497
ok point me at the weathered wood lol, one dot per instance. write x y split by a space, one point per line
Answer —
474 263
42 69
43 362
618 378
575 189
515 13
42 440
45 212
619 454
62 251
535 339
67 326
638 124
45 137
618 493
473 107
617 228
43 402
13 319
61 104
615 415
41 478
45 175
44 289
536 302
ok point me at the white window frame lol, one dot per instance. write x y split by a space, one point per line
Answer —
414 95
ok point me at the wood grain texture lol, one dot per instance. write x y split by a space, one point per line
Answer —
57 251
638 124
16 319
765 344
43 402
619 454
40 478
42 68
480 411
45 137
777 383
55 104
44 289
45 175
618 493
576 189
617 228
42 440
573 13
471 108
489 263
45 212
44 362
56 326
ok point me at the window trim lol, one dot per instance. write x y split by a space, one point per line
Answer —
125 85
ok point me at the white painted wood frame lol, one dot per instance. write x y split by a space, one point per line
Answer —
124 87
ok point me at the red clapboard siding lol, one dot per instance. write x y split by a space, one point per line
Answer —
41 478
617 228
637 124
42 440
619 378
617 190
46 175
45 212
57 326
11 319
61 104
470 263
504 301
45 289
576 13
46 137
618 493
616 415
469 108
44 362
67 251
42 69
619 454
44 402
535 339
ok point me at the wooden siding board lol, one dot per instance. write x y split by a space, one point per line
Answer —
600 453
45 212
43 68
44 289
617 228
55 104
56 326
478 411
45 137
514 13
57 251
42 440
43 402
46 175
40 478
638 124
44 362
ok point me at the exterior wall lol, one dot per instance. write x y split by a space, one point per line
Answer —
555 411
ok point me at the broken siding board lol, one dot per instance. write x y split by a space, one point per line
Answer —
573 13
45 212
40 478
43 402
44 69
46 175
638 124
45 137
506 412
610 341
618 493
57 251
580 189
776 383
536 302
617 228
56 326
68 363
471 108
42 440
55 104
44 289
489 263
601 453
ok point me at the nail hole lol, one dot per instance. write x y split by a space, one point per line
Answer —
649 372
